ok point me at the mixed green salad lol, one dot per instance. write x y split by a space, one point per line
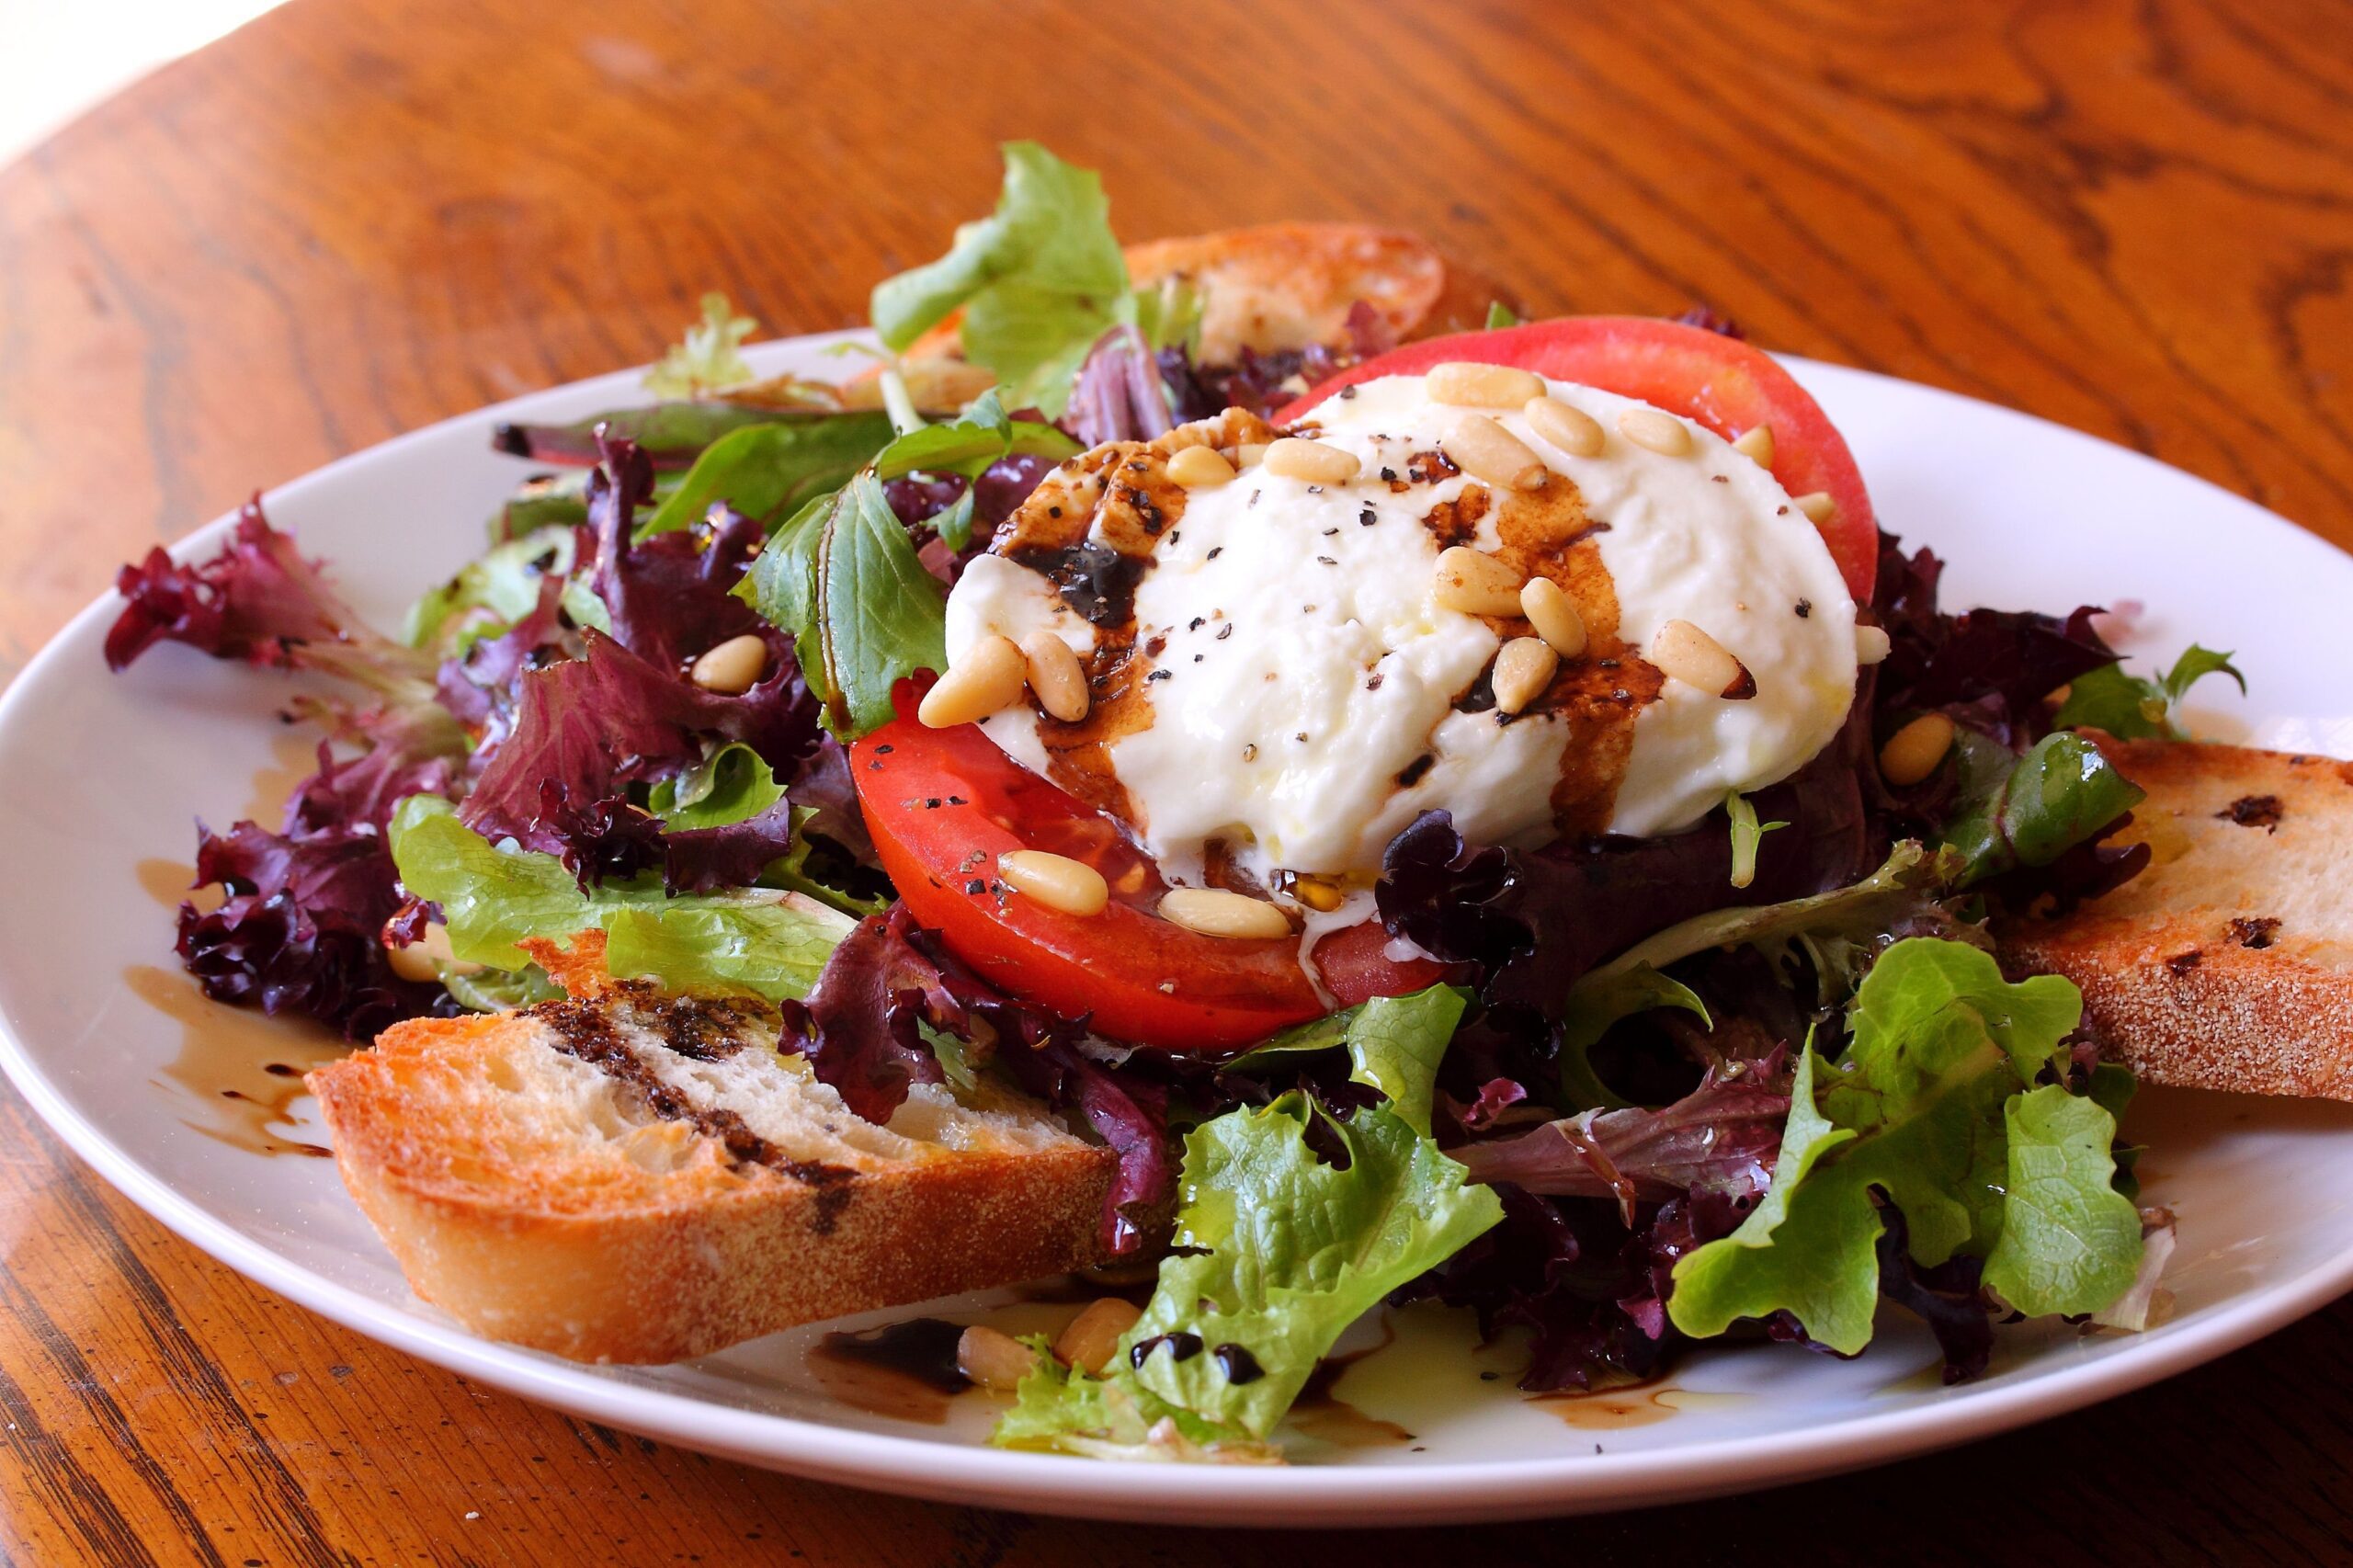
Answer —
1760 1079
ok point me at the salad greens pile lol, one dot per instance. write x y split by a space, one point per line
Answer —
1760 1077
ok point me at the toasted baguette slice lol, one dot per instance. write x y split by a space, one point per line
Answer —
622 1177
1279 285
2228 964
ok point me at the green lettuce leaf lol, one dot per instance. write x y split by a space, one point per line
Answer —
772 944
2136 707
489 594
1295 1250
966 447
2070 1241
1841 930
843 579
710 358
1282 1253
1279 1252
1395 1043
1600 1001
766 470
729 786
1038 280
1923 1108
1500 315
2061 792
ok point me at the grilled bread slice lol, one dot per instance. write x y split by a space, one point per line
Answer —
1279 285
629 1176
2228 962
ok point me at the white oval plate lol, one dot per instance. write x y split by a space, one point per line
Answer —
98 774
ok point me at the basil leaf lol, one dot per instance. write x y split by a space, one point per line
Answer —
764 471
1038 280
2060 794
843 579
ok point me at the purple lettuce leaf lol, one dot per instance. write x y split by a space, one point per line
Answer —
1119 395
705 860
257 600
861 1025
1720 1140
583 727
862 1029
1989 669
302 928
668 596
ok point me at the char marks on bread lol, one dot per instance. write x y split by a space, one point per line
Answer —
622 1175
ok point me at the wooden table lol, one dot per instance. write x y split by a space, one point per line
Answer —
355 216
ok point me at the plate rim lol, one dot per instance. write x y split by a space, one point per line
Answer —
1323 1496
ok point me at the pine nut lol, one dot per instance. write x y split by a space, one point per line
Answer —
1055 675
1088 1340
428 957
413 963
1250 454
1292 458
1475 583
1319 893
1213 912
1871 645
1197 468
1566 425
1684 653
1059 882
987 679
993 1359
1467 384
1917 750
1523 669
1817 506
1484 449
1554 616
1660 433
1755 444
732 667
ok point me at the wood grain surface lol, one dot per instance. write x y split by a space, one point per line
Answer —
355 216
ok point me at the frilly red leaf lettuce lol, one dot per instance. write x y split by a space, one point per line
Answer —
862 1028
1719 1139
302 928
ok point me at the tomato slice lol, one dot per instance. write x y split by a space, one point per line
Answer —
1725 384
943 804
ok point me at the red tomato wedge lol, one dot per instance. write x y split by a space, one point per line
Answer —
943 804
1724 383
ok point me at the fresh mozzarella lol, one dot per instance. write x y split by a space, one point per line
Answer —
1310 697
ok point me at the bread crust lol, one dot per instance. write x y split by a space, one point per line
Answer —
501 1177
2228 964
